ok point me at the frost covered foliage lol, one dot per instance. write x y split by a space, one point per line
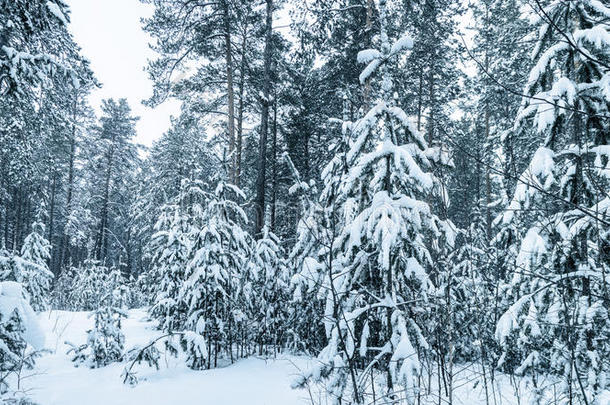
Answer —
558 322
61 292
171 248
20 335
105 341
376 283
85 288
36 277
214 277
206 281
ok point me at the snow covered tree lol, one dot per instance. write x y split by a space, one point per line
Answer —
19 333
377 280
269 292
61 292
221 250
105 341
171 248
468 293
30 269
27 30
112 157
315 232
37 277
558 322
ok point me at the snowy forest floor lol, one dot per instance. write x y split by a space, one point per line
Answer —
55 380
252 381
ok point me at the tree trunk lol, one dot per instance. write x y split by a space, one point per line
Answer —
240 113
51 220
432 118
487 132
369 25
420 95
230 94
262 150
64 256
273 168
102 246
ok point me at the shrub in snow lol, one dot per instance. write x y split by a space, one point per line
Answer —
85 288
137 355
29 269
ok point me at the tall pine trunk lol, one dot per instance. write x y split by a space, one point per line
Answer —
230 93
262 149
240 113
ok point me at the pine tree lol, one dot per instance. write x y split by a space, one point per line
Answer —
19 333
171 246
471 284
112 159
315 232
27 29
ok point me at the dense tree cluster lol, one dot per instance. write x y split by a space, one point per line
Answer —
395 187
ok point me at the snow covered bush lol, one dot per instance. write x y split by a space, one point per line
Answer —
30 269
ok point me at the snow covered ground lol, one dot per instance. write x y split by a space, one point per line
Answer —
253 381
55 380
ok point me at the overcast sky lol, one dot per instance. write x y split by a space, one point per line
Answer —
110 34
